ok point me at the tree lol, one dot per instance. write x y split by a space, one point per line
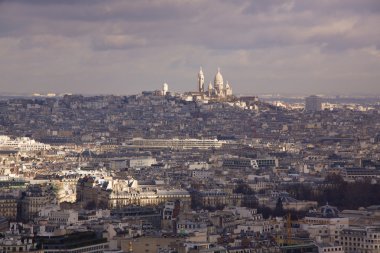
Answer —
279 210
102 204
265 211
244 188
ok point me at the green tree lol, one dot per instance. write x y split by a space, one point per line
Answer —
279 210
244 188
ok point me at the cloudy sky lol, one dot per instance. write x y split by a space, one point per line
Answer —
126 46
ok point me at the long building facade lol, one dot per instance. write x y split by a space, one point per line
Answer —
177 144
119 194
360 240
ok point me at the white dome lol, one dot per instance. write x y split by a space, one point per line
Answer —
218 80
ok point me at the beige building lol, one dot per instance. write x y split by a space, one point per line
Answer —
217 198
322 248
121 193
66 217
325 225
177 144
360 239
8 207
148 198
36 198
151 244
66 189
218 90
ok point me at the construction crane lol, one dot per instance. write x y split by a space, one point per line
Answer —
288 229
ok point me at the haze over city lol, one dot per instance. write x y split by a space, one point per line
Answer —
124 47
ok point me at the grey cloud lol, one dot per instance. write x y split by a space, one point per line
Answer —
98 10
172 37
77 18
170 22
321 6
337 6
118 42
260 6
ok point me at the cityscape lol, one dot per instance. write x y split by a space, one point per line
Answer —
153 166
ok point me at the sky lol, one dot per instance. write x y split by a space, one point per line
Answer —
127 46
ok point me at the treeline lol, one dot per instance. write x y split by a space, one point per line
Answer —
280 212
339 193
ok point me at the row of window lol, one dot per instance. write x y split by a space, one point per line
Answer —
332 249
356 249
8 209
11 249
358 239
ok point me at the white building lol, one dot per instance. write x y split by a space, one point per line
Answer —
22 144
218 90
141 162
199 166
201 81
165 88
175 143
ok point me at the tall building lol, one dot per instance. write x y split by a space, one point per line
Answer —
165 88
313 104
201 81
8 207
34 200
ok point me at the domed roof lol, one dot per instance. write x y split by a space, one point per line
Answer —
328 211
228 85
218 78
286 198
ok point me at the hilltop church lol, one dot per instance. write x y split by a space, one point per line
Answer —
218 90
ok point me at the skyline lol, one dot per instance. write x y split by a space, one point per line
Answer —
124 47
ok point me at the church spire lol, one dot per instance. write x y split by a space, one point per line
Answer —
201 81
